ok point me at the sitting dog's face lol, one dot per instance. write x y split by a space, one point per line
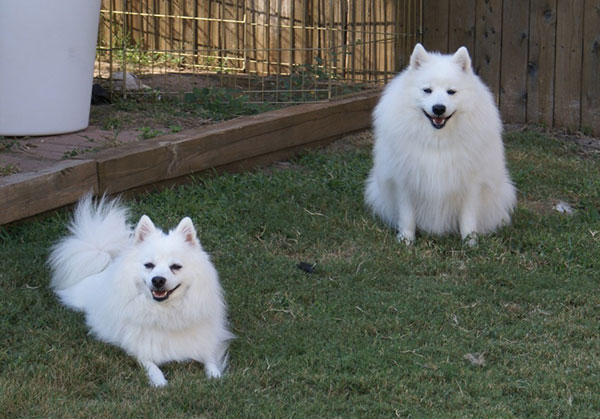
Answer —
163 257
440 82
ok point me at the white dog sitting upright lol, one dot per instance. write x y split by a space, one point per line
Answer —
438 155
155 295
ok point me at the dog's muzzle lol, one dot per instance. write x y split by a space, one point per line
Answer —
438 121
158 292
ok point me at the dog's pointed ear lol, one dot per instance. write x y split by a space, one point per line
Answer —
418 57
186 227
462 58
144 228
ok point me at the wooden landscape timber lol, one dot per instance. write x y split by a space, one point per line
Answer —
244 142
26 194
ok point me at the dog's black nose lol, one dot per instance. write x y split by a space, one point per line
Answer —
438 110
158 281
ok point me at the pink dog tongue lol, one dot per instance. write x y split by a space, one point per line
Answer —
438 121
159 294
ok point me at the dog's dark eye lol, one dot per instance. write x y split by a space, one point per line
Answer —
427 90
451 92
149 265
175 267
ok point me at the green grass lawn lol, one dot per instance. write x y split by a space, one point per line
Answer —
378 330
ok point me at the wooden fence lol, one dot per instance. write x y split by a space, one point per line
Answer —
541 58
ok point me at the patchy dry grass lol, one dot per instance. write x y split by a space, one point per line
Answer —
509 328
161 114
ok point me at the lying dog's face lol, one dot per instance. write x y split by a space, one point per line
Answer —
162 257
161 279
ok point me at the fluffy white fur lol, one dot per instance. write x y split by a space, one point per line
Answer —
440 172
155 295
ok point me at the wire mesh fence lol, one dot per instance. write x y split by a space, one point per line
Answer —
282 51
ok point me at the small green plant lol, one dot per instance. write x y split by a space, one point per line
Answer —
112 123
74 152
8 169
7 144
114 140
87 137
147 133
216 63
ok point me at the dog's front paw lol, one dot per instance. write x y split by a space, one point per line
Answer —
470 239
405 237
158 381
155 375
212 371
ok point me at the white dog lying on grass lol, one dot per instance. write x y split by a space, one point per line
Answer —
155 295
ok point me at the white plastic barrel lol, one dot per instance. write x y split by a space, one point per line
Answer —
47 51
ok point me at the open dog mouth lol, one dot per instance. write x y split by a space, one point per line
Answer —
162 295
438 122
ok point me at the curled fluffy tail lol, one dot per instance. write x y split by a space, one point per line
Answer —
99 231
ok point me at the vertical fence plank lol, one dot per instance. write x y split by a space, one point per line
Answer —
363 51
590 106
358 39
195 12
307 21
203 46
335 37
104 26
373 19
277 35
162 26
569 35
383 34
351 63
292 45
135 30
343 38
372 22
540 74
187 30
223 40
174 9
435 22
236 33
260 14
461 25
268 45
299 33
401 41
251 42
216 37
488 43
513 79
